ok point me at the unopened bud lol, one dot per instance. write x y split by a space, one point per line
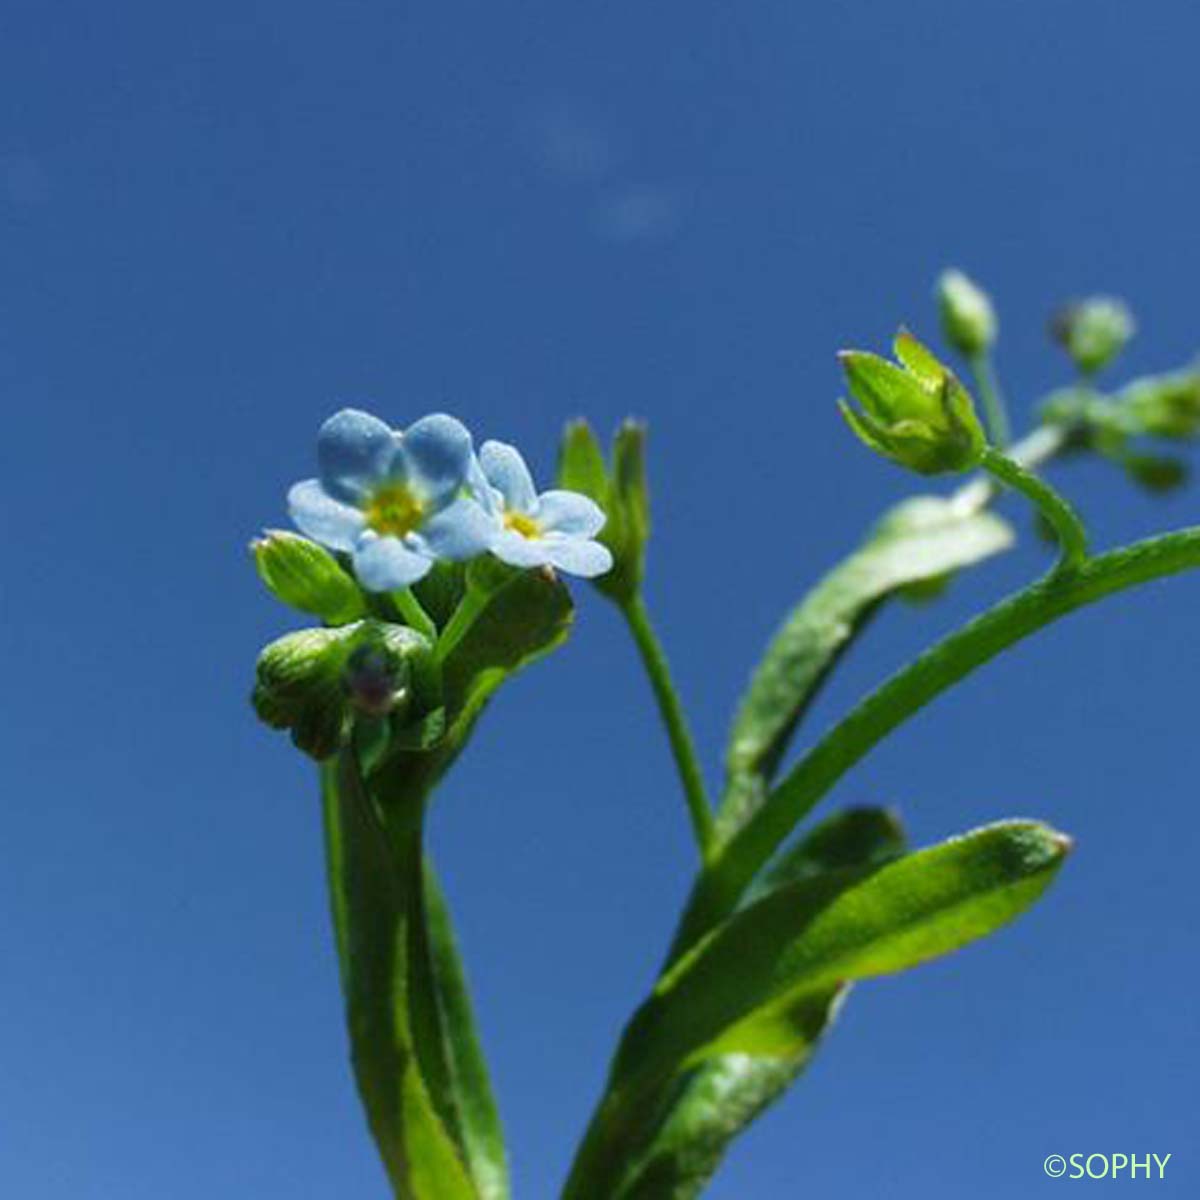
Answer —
622 493
916 413
1093 331
968 319
313 681
297 687
1165 406
307 577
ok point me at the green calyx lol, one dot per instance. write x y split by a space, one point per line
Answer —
307 577
316 681
968 319
916 413
620 490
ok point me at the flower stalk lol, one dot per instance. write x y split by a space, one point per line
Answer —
1067 526
683 747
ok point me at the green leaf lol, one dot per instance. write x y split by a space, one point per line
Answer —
526 615
918 542
508 618
376 890
716 1101
738 990
482 1135
440 592
851 839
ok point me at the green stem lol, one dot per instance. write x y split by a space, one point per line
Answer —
1032 451
669 707
1072 537
994 411
721 885
474 601
415 616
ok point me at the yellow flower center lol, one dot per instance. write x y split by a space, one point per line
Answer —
527 527
393 510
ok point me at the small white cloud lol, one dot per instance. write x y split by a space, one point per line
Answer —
574 149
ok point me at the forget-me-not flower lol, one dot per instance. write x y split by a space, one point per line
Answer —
553 529
395 502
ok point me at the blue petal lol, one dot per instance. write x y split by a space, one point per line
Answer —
354 451
478 486
518 551
506 471
323 518
437 451
569 512
460 531
577 556
386 564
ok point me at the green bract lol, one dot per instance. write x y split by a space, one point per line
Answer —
916 413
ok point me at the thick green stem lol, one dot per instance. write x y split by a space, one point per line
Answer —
722 884
669 707
1072 537
994 411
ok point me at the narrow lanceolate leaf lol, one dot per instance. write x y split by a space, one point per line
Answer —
918 544
852 839
740 989
376 895
482 1135
716 1101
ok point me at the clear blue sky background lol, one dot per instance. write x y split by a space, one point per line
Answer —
220 221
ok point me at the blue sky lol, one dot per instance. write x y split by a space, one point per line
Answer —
221 222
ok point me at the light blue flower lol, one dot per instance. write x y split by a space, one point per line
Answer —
552 529
393 501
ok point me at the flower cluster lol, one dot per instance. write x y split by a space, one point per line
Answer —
397 502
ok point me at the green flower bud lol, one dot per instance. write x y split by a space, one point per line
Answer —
917 413
313 681
298 687
621 492
1093 331
1166 406
968 319
306 576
